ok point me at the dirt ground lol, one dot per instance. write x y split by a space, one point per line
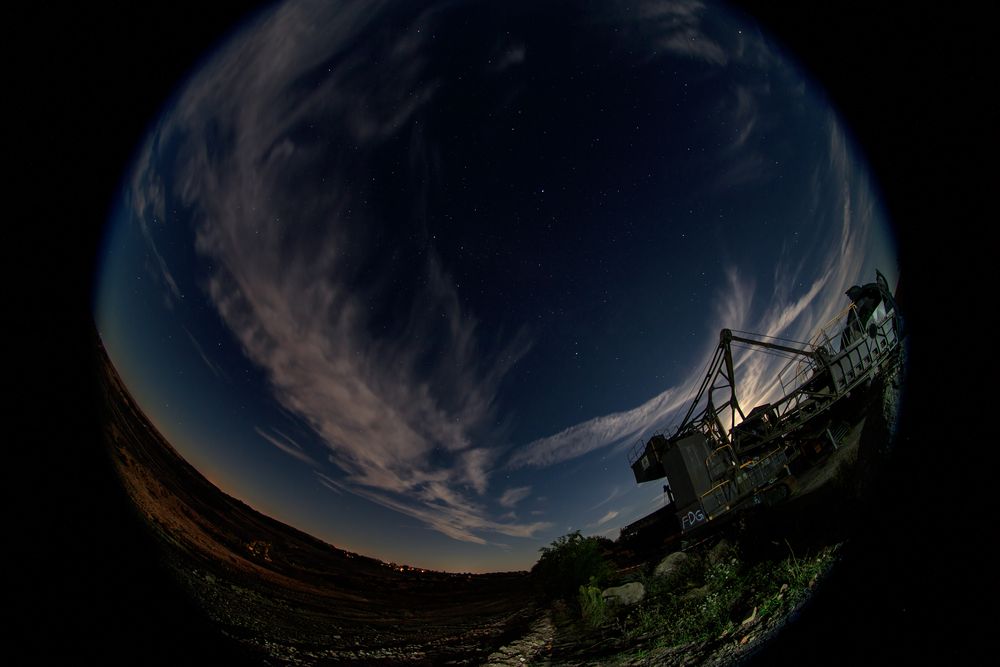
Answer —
288 598
285 597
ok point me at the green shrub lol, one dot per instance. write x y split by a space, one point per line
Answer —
675 619
593 606
731 589
715 611
570 562
801 572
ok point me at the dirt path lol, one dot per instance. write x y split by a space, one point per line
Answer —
554 641
531 649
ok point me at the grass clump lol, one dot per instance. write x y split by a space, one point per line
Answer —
702 608
712 600
593 606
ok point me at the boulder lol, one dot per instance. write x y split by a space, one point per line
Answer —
627 594
695 593
671 564
721 552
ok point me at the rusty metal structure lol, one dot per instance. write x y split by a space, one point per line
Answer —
722 459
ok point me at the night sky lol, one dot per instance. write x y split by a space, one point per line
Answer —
414 278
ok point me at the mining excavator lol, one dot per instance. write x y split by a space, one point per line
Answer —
714 469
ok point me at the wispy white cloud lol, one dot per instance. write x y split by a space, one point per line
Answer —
744 116
405 406
607 517
212 366
287 445
446 514
158 268
512 497
328 482
147 199
805 300
615 492
788 311
676 26
742 156
691 42
598 432
658 413
508 56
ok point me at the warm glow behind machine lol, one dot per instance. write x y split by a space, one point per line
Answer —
712 470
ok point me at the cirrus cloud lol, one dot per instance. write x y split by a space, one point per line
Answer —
402 400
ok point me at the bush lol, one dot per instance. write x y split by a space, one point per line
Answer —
570 562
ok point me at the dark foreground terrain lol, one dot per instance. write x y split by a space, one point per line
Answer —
743 589
265 593
287 597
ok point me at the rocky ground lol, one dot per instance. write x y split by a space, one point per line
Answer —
559 638
284 597
817 521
